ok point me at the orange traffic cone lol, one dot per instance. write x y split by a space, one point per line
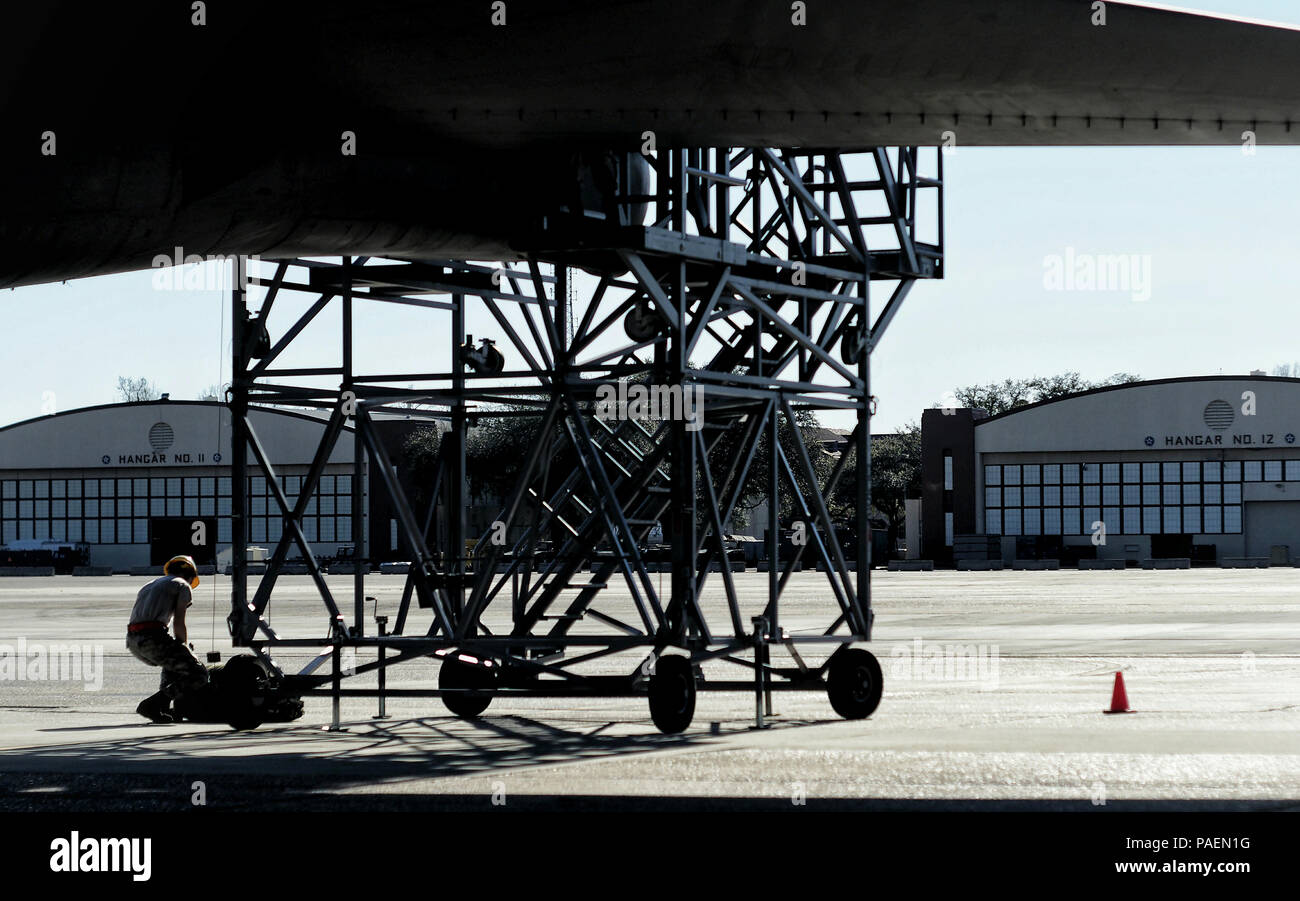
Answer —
1119 697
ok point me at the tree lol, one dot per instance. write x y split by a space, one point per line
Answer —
1011 394
214 393
135 390
895 476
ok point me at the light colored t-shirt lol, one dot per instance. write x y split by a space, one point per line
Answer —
160 599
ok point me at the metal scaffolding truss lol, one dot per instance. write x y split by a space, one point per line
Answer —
658 338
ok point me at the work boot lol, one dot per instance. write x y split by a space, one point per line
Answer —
154 709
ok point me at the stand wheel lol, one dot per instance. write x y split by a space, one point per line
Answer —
854 683
672 694
458 674
240 684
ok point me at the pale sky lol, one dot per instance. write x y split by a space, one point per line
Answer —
1218 227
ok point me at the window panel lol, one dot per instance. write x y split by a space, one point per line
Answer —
1010 475
1110 516
42 487
107 532
1232 471
258 529
1070 495
207 506
1213 493
1031 474
58 509
10 531
1232 519
25 488
344 504
1170 494
1132 521
327 529
1192 519
74 530
25 529
993 497
1069 473
1110 472
1070 521
42 530
1011 497
42 509
1151 472
1252 471
207 486
157 506
1132 494
1052 496
327 507
74 509
1293 470
59 488
1132 472
1051 521
1032 523
223 486
1169 472
992 523
1033 496
1092 495
1191 494
190 506
1151 520
1272 470
344 529
1110 495
1051 473
344 485
191 487
1091 473
223 529
223 506
327 482
173 506
1090 515
1011 522
311 528
91 531
92 508
1231 493
124 531
1192 471
1173 520
10 488
58 530
25 509
1213 471
9 509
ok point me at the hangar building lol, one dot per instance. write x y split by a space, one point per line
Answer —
1203 468
111 476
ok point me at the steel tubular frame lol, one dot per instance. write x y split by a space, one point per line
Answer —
747 291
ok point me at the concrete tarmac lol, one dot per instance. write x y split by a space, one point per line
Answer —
994 689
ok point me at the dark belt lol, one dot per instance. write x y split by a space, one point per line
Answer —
146 627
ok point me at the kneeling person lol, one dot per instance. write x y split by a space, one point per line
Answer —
159 603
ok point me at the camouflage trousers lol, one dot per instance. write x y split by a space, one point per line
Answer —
181 671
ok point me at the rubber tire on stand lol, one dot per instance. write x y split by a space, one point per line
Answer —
854 683
672 694
239 683
458 674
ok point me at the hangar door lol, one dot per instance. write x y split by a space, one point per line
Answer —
1273 522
